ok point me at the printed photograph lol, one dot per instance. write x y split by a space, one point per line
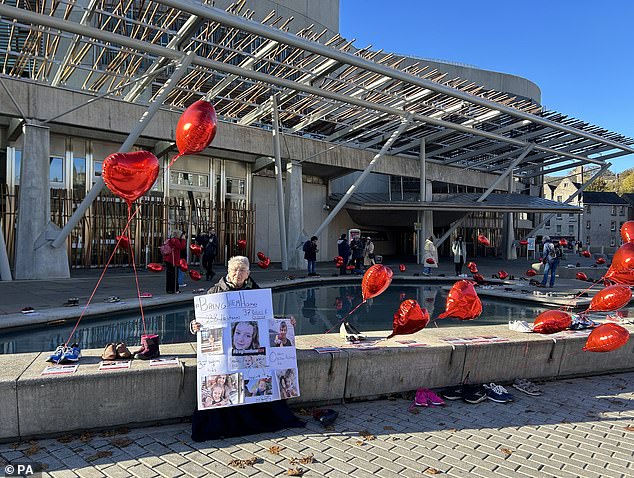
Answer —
287 381
281 333
245 338
211 340
221 390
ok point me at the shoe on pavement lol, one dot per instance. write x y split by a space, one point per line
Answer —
453 393
475 394
72 353
57 355
497 393
527 387
429 397
520 326
122 351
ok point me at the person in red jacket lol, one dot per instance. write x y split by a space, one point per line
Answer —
177 243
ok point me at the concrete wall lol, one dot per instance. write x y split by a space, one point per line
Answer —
36 405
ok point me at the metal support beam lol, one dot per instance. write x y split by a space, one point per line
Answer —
579 191
179 71
508 171
279 184
342 202
453 227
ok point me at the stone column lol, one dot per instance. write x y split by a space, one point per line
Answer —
34 257
295 229
508 234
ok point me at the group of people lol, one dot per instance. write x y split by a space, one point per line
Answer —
359 252
174 250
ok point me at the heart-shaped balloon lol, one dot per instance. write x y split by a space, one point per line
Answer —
195 275
552 321
627 231
621 270
196 249
409 318
375 280
350 267
263 264
338 259
581 276
531 273
600 261
155 267
607 337
610 298
523 242
402 267
563 242
261 255
182 265
130 175
503 274
242 243
482 239
586 254
123 241
462 302
479 278
430 260
196 128
473 268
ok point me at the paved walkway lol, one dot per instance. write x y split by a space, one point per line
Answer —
578 428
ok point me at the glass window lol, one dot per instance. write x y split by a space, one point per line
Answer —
98 167
571 229
235 186
559 228
56 169
587 240
571 215
612 241
559 199
548 223
621 210
558 215
587 224
18 164
613 226
79 173
613 212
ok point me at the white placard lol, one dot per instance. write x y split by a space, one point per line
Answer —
245 355
531 244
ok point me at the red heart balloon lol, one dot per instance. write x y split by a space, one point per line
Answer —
123 241
531 273
338 259
242 243
611 298
473 268
350 267
479 278
195 275
130 175
409 318
600 261
482 239
375 280
552 321
155 267
263 264
607 337
586 254
503 274
462 302
582 276
267 261
402 267
261 255
627 231
430 260
196 128
196 249
563 242
523 242
622 269
182 265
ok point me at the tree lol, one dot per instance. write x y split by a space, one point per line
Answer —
626 182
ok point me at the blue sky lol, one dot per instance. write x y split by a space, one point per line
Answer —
579 55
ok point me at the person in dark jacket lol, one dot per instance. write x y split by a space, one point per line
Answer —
209 243
310 254
343 248
247 419
357 248
172 260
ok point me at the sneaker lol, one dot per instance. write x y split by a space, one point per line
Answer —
582 321
112 299
475 394
72 353
146 295
520 326
453 393
497 393
420 400
57 355
527 387
433 399
27 310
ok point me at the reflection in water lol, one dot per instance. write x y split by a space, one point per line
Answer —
317 309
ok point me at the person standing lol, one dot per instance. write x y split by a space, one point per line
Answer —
550 258
182 255
459 251
343 249
310 254
176 244
368 252
430 256
210 249
357 253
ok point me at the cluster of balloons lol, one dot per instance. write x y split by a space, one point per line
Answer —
264 261
621 270
339 261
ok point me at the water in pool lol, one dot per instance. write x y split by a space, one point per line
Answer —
317 309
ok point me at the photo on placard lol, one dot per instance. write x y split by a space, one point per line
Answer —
211 340
281 333
258 385
247 362
222 390
287 382
245 338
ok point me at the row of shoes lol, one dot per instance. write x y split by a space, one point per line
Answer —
118 351
426 398
149 349
492 391
65 354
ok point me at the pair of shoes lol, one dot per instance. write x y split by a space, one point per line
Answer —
527 387
182 285
453 393
146 295
27 310
497 393
116 351
325 416
65 354
149 347
112 299
474 394
539 284
520 326
71 302
427 398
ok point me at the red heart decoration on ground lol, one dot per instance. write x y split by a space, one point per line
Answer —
155 267
552 321
130 175
503 274
195 275
402 267
582 276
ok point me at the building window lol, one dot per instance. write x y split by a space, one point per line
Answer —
613 212
79 173
235 186
612 241
17 165
559 215
548 223
613 226
621 210
559 199
571 215
588 209
571 229
56 170
558 228
98 168
587 240
587 224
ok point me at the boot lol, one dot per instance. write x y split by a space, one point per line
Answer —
122 351
149 347
109 352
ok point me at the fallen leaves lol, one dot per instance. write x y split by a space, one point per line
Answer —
304 460
432 471
118 431
86 437
99 454
506 451
243 463
275 449
121 442
295 472
32 450
367 436
387 427
66 438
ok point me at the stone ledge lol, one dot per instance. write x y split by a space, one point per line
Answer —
35 405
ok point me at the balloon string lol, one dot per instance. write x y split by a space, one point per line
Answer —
569 305
136 277
174 160
345 317
83 312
